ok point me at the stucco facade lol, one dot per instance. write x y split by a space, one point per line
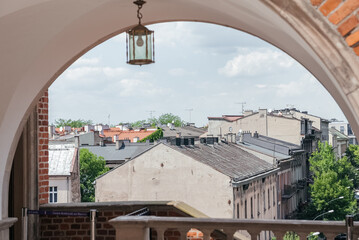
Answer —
165 174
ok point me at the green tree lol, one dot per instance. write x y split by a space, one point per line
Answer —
91 167
170 118
72 123
352 153
153 121
331 180
138 123
158 134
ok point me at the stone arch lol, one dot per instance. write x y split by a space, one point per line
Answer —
40 39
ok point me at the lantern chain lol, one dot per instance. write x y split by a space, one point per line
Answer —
139 15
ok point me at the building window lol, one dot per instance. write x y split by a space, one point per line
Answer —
53 194
245 209
342 129
258 209
264 201
273 197
268 200
251 207
237 210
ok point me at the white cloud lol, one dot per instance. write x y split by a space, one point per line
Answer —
258 62
261 85
303 85
139 88
180 72
115 72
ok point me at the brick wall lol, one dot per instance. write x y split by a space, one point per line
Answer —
43 153
344 15
78 228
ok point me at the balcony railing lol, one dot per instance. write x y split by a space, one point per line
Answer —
136 228
289 191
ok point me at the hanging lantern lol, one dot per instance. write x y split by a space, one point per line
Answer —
140 42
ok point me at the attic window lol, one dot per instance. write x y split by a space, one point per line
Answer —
245 187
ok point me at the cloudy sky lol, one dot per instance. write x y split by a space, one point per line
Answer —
204 67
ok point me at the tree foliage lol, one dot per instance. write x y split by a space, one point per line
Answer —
352 153
72 123
91 167
331 180
163 119
170 118
158 134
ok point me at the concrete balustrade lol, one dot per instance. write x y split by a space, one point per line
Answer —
139 227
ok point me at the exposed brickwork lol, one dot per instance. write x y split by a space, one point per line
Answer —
316 2
348 25
329 6
344 15
78 228
43 149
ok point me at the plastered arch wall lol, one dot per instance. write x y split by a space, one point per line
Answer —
41 38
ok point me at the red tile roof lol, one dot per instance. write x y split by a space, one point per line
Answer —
129 134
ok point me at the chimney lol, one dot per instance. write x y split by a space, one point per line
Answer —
210 140
255 134
248 112
119 144
178 141
77 141
178 135
203 140
51 131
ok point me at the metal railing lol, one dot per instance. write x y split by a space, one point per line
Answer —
132 227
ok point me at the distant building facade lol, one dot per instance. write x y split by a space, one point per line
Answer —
344 128
64 177
339 141
292 161
233 182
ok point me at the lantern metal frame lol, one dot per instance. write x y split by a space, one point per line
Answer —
140 31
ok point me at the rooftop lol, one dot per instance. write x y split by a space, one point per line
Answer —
61 157
126 134
228 159
127 151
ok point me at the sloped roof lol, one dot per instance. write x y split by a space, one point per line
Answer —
129 134
186 131
340 136
110 153
61 157
228 159
229 118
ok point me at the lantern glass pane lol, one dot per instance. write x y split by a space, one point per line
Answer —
140 46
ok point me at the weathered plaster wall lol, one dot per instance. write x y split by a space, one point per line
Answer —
165 174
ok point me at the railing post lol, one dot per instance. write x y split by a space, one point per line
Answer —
24 221
93 223
349 222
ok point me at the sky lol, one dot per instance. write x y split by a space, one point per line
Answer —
208 68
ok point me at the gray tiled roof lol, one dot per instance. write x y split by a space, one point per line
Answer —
109 152
60 159
186 131
228 159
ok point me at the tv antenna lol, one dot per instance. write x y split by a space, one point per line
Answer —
189 111
151 112
242 103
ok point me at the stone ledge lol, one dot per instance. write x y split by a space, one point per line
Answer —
7 223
